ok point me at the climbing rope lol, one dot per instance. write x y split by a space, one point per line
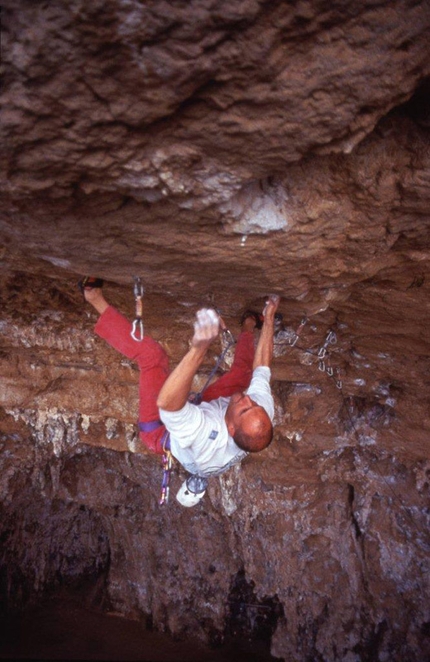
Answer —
137 330
196 398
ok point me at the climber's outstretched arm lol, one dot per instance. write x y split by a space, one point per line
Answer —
264 351
175 390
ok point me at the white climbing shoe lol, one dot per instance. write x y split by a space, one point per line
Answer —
192 491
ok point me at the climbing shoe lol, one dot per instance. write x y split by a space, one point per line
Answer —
192 491
89 282
257 317
279 319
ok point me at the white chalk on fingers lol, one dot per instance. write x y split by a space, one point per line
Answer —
213 316
207 313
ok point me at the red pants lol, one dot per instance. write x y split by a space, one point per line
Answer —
154 369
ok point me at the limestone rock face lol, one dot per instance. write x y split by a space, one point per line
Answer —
222 151
193 100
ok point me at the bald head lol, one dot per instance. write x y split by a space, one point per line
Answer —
248 423
255 434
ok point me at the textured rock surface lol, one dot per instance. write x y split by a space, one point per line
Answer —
222 151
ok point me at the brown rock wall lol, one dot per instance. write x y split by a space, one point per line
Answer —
345 560
329 526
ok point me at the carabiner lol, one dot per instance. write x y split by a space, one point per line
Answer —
137 330
331 338
228 337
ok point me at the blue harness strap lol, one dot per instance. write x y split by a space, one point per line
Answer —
149 426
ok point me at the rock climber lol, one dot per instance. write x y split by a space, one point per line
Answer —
236 412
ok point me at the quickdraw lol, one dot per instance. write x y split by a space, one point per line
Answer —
331 339
324 358
167 469
137 330
299 330
322 354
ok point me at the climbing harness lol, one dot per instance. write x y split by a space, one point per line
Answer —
137 330
167 459
150 426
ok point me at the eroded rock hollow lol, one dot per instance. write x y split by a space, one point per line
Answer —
222 151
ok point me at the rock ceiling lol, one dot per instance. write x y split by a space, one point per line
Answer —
244 145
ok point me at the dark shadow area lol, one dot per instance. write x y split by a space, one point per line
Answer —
250 617
418 106
54 604
62 628
47 546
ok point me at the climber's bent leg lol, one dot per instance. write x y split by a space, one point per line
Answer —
153 363
239 376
